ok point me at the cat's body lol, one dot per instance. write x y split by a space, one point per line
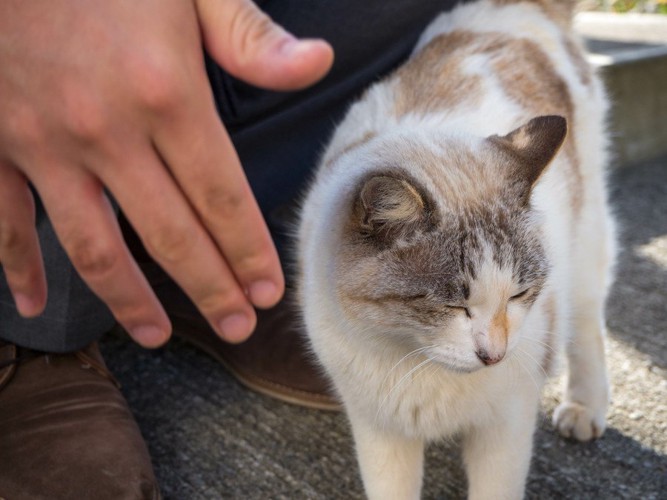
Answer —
445 258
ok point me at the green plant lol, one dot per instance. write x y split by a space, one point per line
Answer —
620 6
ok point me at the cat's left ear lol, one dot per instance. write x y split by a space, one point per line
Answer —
534 145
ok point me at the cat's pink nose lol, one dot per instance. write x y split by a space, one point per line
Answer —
487 358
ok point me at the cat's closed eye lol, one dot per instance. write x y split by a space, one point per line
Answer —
460 308
418 296
431 300
521 295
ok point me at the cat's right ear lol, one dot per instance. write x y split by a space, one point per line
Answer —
388 208
533 146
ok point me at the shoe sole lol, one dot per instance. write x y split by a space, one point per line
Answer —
259 384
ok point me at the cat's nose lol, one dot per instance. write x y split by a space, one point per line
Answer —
487 358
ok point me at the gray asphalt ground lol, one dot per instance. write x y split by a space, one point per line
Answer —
210 438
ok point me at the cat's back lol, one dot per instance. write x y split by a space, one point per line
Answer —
486 67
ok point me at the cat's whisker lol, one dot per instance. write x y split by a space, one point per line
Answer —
399 383
532 358
527 370
540 342
408 355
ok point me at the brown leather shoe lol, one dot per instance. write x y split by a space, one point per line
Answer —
275 361
66 431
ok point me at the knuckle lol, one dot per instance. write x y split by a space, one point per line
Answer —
23 125
157 80
221 203
90 257
84 116
10 239
220 301
131 312
169 245
252 263
24 277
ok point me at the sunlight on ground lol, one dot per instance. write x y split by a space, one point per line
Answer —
655 250
639 395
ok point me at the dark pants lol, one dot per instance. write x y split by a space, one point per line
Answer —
278 137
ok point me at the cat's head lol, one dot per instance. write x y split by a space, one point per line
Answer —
450 257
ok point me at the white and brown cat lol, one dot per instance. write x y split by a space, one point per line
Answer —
456 236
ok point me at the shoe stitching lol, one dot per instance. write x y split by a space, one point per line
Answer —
91 363
88 362
24 356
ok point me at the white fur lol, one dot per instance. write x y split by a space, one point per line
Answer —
395 400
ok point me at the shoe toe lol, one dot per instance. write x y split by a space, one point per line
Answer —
66 432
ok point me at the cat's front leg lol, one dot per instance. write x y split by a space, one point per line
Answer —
583 413
497 455
391 464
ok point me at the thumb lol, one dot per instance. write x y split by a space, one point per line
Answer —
250 46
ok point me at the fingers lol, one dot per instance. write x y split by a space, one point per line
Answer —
250 46
86 226
193 210
204 163
19 247
176 239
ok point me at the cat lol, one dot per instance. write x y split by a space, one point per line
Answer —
456 236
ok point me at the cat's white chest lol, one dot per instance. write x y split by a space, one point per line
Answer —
424 399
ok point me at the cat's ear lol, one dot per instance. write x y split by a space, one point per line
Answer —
389 207
534 145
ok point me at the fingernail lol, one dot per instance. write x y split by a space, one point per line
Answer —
235 327
288 44
148 335
263 293
293 47
25 304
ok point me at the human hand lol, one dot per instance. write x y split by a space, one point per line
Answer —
99 95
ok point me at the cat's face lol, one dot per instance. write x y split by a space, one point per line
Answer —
455 280
463 288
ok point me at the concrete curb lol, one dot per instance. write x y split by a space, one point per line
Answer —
630 51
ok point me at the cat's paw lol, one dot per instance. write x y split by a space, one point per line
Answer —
574 420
